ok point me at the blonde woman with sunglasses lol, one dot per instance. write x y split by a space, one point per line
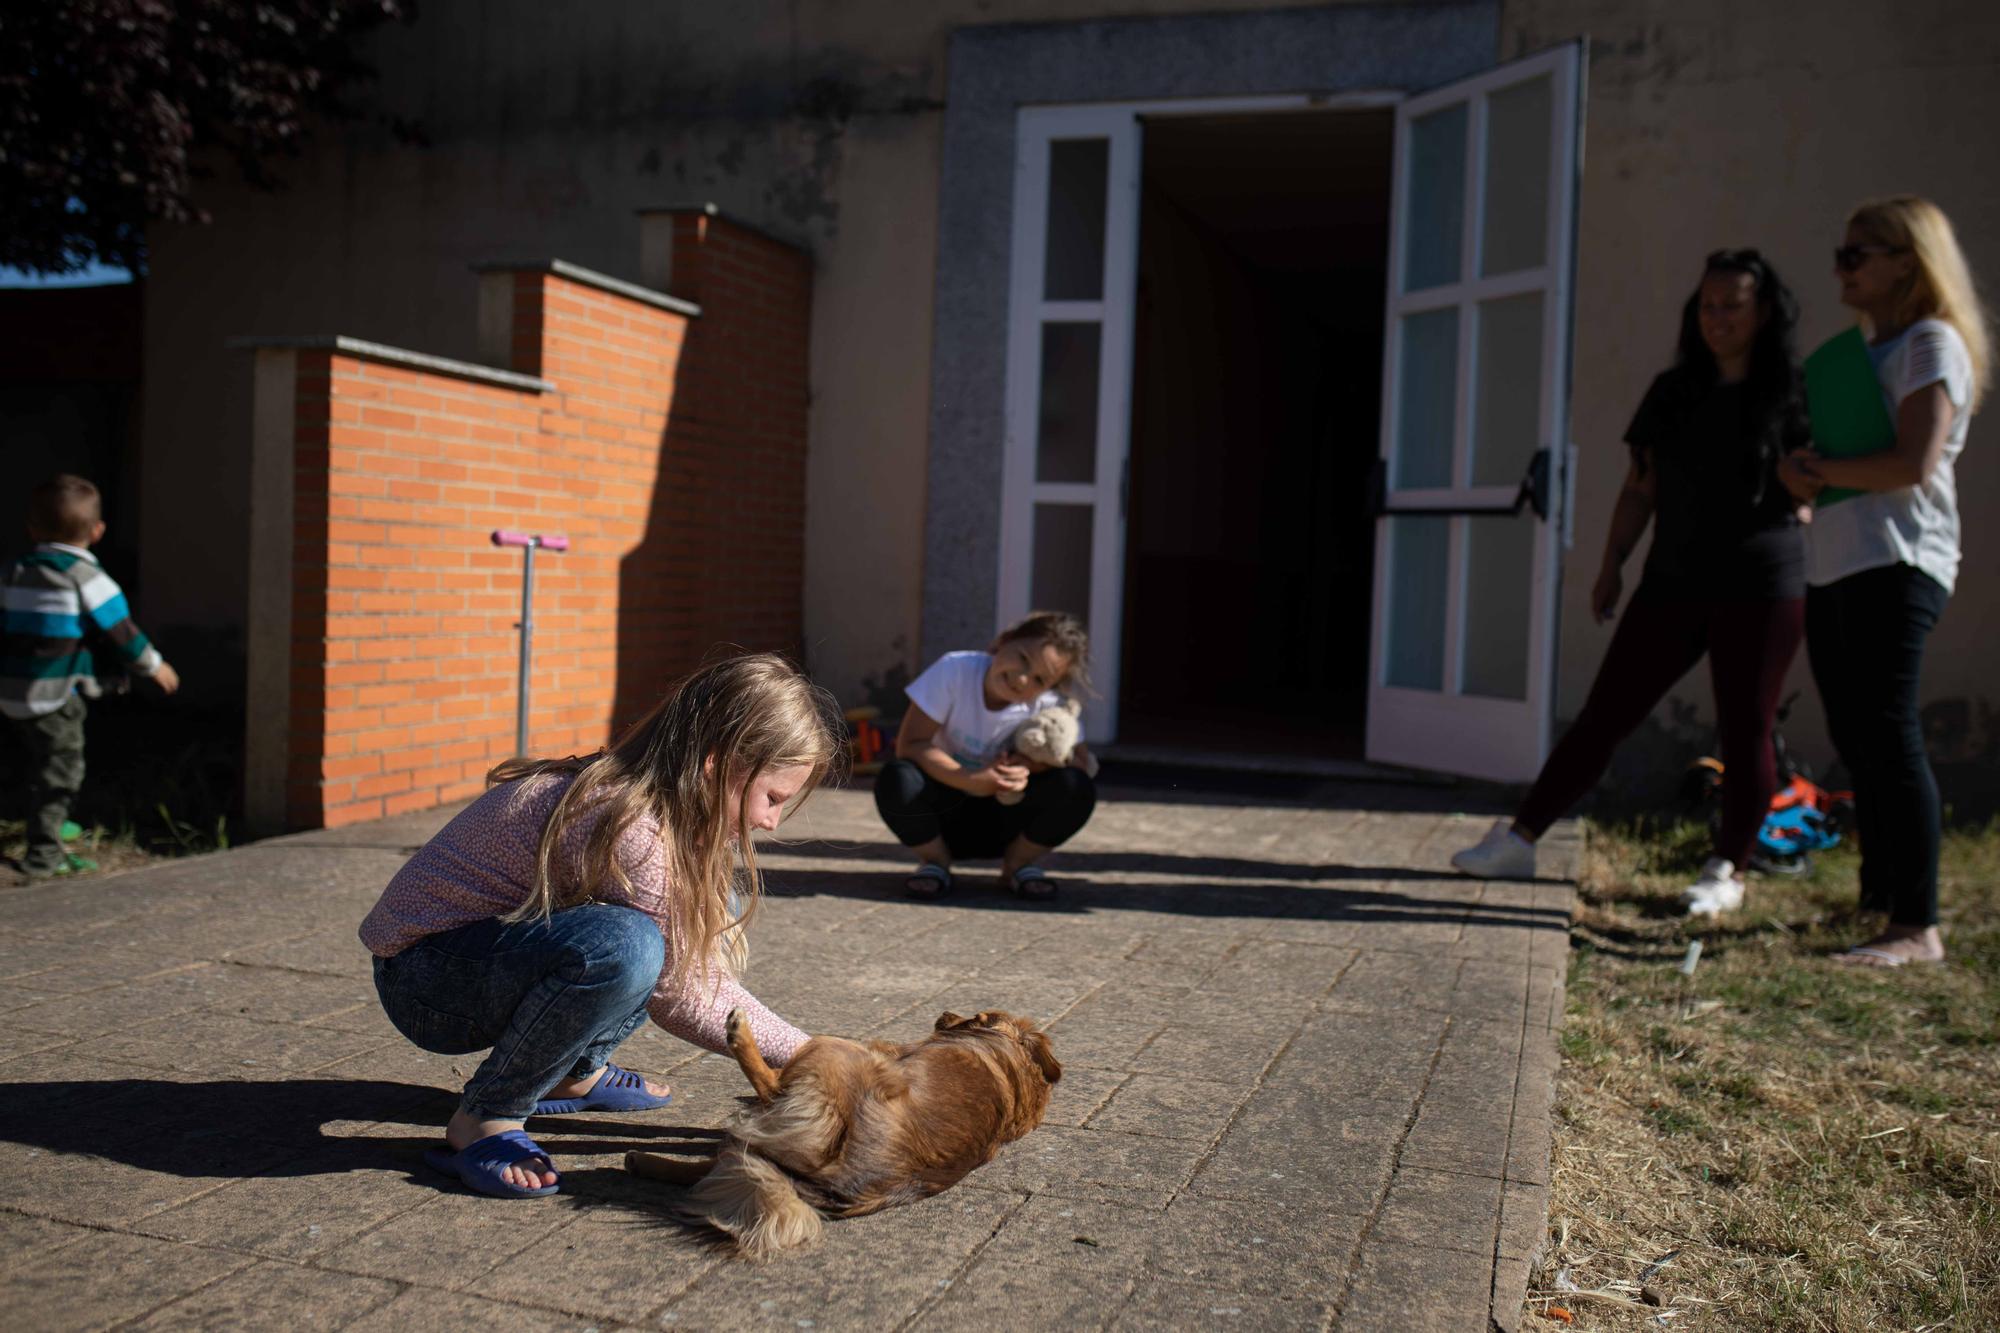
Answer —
1881 565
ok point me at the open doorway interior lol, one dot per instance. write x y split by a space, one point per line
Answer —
1257 374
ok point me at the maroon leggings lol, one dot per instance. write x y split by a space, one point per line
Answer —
1750 646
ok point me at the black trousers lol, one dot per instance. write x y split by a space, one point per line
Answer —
918 808
1865 635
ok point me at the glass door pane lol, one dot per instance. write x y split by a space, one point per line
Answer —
1507 403
1435 221
1078 170
1419 553
1499 592
1515 234
1066 435
1427 402
1061 580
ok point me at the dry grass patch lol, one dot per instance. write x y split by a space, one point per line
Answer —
1820 1143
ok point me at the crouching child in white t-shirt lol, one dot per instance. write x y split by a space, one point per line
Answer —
938 796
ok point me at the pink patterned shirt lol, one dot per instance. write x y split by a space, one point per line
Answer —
482 864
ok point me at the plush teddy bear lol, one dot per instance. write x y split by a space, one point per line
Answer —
1048 737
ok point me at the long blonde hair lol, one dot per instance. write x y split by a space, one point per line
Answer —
714 732
1940 284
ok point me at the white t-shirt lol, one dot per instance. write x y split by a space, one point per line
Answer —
1913 525
953 691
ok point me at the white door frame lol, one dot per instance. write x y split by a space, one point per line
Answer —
1121 125
1445 729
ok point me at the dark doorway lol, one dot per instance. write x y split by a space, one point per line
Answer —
1257 371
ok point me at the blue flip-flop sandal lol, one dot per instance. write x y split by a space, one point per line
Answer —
929 880
1031 882
618 1090
478 1165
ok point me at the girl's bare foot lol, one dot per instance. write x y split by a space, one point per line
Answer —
464 1131
580 1087
1897 946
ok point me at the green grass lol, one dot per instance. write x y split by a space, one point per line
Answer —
159 780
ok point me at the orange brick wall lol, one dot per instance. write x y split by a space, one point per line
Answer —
671 453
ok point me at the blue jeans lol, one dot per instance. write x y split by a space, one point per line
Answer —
552 998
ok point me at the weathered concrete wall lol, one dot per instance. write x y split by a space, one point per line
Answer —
549 124
1715 123
1710 122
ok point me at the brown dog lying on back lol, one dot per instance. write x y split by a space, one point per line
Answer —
855 1127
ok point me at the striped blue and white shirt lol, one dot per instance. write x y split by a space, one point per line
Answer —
56 602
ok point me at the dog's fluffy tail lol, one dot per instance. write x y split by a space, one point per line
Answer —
755 1202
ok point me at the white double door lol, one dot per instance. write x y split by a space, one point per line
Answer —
1474 401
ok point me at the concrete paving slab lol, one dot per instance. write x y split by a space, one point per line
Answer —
1024 1297
1157 1304
1308 1076
430 1310
273 1295
107 1278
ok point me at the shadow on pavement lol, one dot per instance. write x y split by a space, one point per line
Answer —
978 885
1146 863
230 1128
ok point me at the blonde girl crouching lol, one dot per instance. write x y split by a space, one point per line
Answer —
578 896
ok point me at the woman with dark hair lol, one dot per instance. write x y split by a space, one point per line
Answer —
1725 576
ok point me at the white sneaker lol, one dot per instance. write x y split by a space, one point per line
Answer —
1501 854
1718 890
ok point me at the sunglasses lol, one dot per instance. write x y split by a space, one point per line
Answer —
1847 258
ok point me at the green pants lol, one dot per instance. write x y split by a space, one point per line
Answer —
54 746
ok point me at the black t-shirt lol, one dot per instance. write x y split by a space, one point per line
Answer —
1720 530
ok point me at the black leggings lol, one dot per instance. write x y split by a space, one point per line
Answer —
918 808
1865 635
1749 645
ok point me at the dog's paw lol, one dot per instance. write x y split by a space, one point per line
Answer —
736 1027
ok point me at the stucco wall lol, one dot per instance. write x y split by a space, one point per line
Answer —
1710 122
548 125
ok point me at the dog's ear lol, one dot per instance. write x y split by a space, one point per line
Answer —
1044 1056
947 1021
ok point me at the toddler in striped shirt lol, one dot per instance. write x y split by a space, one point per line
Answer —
59 604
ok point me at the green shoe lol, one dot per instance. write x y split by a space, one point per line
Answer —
71 864
70 831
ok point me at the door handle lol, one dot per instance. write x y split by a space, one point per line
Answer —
1533 493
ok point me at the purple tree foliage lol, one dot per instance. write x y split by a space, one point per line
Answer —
111 110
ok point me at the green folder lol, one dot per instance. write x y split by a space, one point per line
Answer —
1844 398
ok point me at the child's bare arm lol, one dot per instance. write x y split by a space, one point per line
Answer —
917 741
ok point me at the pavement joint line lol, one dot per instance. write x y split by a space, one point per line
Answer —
652 1316
943 1289
149 1312
1395 1164
1258 1082
1125 1077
